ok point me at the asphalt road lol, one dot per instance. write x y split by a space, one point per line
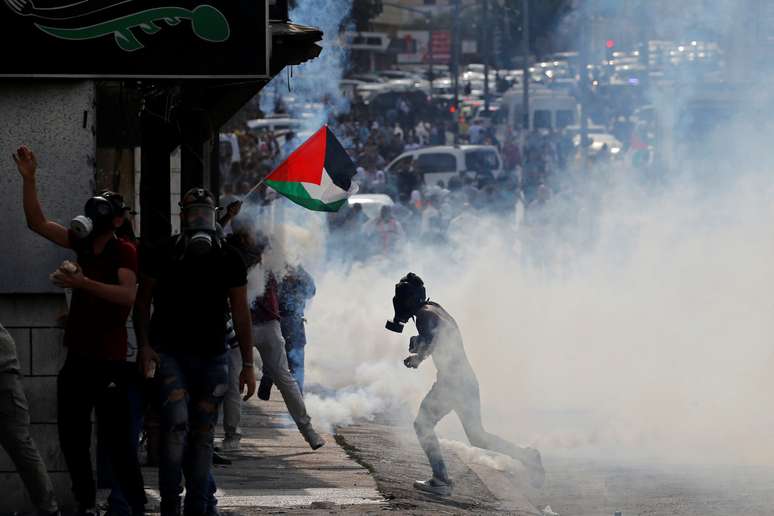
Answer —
573 487
369 468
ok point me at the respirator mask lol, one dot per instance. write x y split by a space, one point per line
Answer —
99 213
409 297
199 221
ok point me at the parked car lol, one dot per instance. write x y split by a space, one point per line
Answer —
440 163
598 141
371 203
372 206
275 124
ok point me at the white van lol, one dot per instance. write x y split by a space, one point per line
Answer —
549 109
440 163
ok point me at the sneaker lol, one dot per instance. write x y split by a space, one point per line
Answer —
219 459
231 443
535 472
313 438
434 486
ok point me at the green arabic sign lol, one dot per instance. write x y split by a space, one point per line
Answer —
207 22
215 38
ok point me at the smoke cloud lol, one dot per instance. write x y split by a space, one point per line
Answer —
654 342
644 333
314 84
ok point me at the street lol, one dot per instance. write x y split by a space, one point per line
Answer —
369 467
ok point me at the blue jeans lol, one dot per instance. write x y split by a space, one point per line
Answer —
296 364
192 389
294 332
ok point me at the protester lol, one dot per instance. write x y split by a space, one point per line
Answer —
192 280
268 334
15 430
245 240
295 290
95 372
384 232
455 388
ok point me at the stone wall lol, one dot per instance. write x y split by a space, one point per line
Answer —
55 118
33 322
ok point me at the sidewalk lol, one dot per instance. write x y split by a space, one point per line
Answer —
367 468
276 471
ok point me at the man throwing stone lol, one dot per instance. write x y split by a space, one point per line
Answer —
455 389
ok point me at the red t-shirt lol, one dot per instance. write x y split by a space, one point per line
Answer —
266 306
95 327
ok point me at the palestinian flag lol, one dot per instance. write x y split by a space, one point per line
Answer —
317 175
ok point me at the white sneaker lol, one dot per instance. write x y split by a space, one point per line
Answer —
434 486
231 443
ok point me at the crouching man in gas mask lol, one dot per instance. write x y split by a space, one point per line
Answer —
191 280
455 389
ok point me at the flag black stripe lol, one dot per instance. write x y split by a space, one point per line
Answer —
339 165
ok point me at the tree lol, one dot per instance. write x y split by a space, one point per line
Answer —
363 11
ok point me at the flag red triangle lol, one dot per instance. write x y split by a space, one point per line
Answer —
305 164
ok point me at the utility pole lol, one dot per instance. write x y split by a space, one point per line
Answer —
583 61
456 51
485 32
431 57
525 63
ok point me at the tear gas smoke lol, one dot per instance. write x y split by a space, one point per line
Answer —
652 343
314 84
471 455
643 330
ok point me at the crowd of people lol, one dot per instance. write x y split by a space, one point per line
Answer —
196 331
535 186
189 370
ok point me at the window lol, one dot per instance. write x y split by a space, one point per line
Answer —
402 165
564 118
482 160
436 162
542 119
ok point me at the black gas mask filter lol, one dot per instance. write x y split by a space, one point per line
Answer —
199 225
99 213
409 297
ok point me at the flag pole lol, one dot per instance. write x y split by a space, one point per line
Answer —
253 189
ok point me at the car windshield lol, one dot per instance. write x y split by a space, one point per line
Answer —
436 162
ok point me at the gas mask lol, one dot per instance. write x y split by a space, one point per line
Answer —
199 221
409 297
99 213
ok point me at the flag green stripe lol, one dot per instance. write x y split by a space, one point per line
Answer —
298 194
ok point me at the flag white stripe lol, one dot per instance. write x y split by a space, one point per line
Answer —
327 191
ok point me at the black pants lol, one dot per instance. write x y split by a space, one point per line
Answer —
85 384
